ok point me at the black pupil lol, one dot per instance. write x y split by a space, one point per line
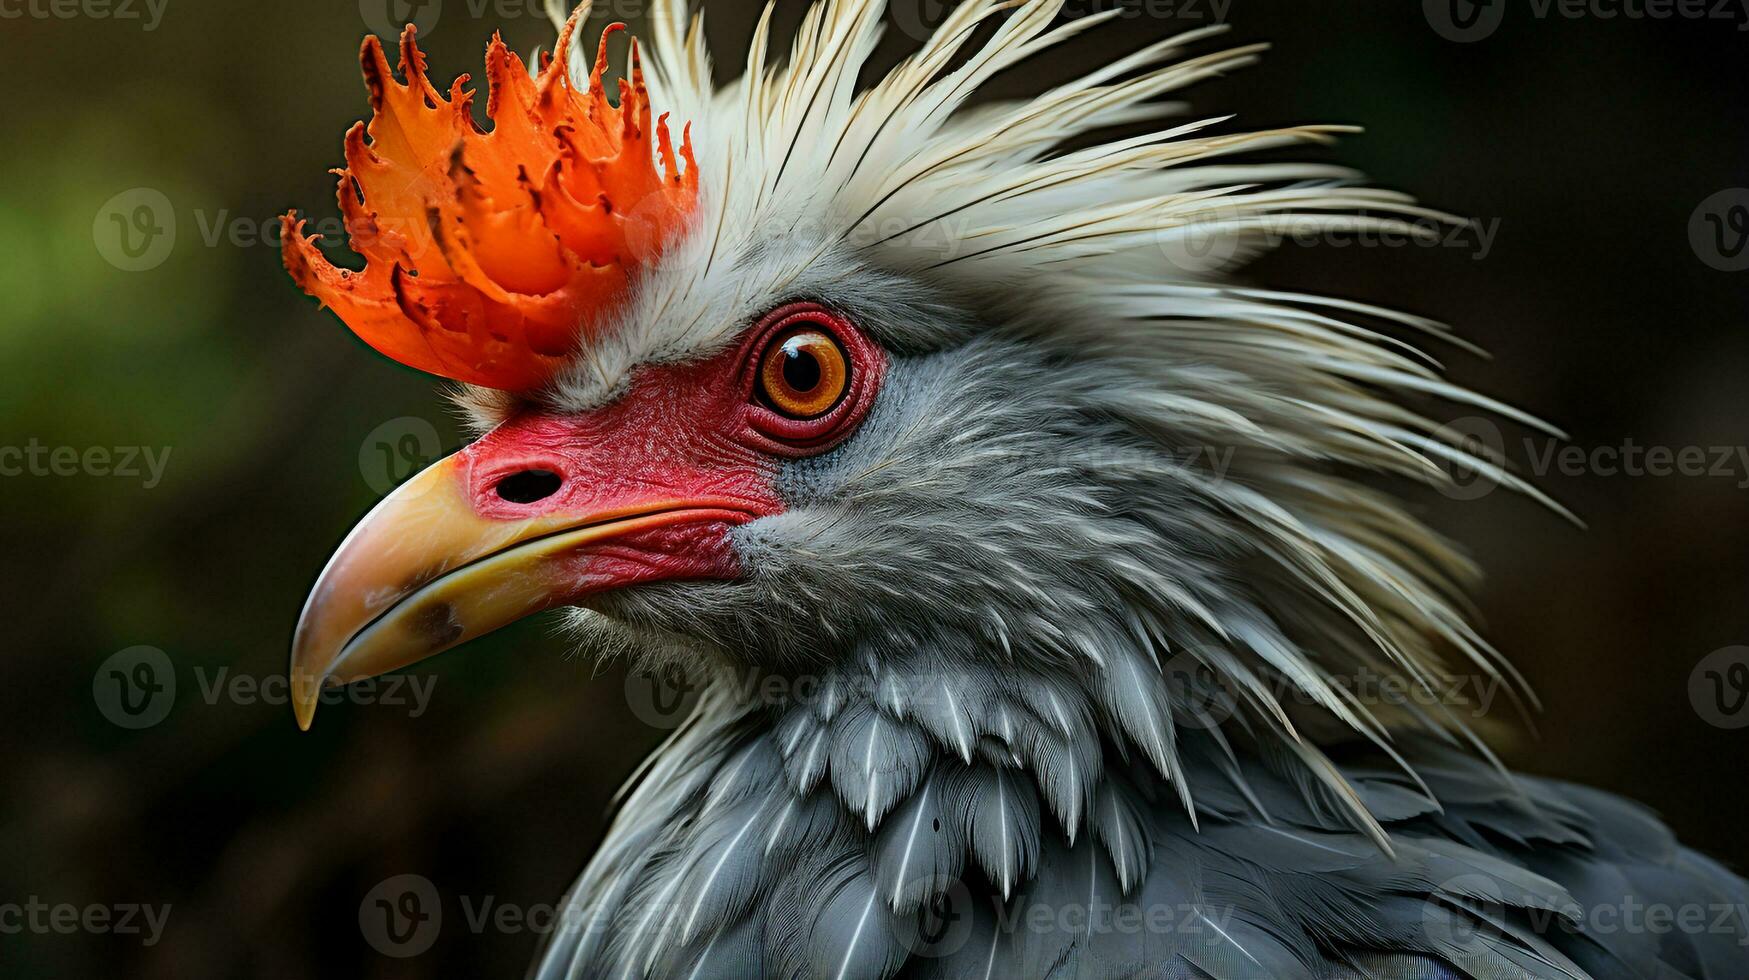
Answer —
801 369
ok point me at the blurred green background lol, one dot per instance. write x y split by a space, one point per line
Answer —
1583 147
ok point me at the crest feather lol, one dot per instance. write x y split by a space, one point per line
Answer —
489 254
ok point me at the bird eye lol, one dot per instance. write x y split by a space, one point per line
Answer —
804 372
809 376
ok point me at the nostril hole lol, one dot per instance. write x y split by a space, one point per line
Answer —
529 486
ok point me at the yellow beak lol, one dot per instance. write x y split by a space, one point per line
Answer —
423 573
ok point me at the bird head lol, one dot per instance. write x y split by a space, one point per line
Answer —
866 385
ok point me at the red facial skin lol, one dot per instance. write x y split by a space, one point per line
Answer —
695 437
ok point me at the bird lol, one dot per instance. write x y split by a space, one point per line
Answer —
1043 584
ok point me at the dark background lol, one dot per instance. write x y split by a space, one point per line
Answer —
1585 143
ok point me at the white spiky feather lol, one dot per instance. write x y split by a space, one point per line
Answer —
941 217
978 206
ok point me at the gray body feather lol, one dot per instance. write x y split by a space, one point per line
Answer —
1065 634
1101 785
1492 876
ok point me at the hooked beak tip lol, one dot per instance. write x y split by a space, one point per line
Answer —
306 695
424 572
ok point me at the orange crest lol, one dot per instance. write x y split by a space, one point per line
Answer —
489 255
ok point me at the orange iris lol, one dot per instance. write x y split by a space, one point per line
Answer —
804 372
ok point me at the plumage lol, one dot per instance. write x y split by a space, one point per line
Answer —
875 761
1040 651
922 848
1117 821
